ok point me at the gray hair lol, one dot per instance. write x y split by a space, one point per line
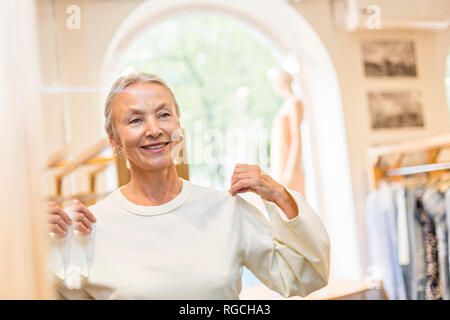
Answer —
120 85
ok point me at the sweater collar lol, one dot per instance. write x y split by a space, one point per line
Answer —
173 204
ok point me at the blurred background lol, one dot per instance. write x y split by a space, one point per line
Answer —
362 87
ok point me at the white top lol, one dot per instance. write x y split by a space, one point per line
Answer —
193 247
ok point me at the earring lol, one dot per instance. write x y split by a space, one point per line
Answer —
117 151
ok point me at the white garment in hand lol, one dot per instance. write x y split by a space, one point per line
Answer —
69 256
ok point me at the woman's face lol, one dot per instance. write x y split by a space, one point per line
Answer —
146 122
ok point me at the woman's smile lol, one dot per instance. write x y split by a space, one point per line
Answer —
156 147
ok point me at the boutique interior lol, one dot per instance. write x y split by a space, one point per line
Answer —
345 101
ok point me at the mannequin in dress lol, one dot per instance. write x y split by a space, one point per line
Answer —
286 147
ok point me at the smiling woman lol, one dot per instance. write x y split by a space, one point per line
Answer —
163 237
145 126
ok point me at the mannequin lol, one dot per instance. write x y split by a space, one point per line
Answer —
286 147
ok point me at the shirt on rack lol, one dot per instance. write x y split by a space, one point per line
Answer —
434 204
404 255
382 240
432 284
416 248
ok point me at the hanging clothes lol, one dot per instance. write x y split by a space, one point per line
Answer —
407 230
447 218
434 205
404 253
382 240
432 283
417 251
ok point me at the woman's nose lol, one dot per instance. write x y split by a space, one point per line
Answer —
152 128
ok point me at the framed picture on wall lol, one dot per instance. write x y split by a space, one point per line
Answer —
395 109
389 58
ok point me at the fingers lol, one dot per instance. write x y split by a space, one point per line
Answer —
53 209
54 219
79 207
57 230
242 175
58 219
80 218
245 171
243 190
252 178
244 179
80 227
240 167
242 185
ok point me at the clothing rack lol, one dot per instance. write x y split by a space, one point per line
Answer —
418 169
401 224
378 171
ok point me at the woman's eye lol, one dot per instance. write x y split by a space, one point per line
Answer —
135 120
164 115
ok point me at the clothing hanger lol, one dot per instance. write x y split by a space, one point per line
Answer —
433 181
415 180
444 182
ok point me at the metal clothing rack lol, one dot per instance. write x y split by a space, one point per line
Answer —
378 171
418 169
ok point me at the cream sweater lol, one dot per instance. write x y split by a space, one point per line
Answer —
193 247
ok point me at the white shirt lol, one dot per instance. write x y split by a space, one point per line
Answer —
193 247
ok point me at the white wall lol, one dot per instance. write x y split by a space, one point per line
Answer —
81 53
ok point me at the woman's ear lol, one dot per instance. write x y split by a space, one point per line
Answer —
114 143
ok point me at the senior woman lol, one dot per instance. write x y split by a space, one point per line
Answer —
163 237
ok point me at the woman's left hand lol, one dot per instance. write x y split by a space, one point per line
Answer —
251 178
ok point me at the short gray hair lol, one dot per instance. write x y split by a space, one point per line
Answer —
120 85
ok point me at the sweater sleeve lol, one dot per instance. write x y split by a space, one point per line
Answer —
291 257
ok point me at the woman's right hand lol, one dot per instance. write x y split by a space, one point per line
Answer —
57 219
